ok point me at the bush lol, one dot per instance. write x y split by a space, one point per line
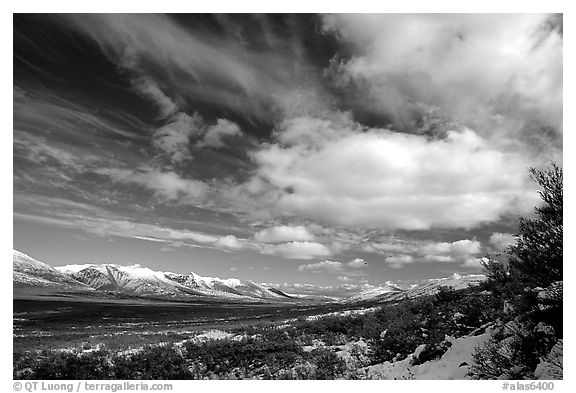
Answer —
529 285
154 362
328 365
513 351
64 365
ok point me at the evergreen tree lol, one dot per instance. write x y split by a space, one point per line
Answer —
536 258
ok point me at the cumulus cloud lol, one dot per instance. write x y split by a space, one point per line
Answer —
475 263
501 241
458 248
471 68
357 263
322 266
230 242
284 233
334 266
297 250
391 180
166 185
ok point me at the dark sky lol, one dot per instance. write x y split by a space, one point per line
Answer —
334 152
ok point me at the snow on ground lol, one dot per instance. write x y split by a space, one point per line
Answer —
216 335
452 365
346 313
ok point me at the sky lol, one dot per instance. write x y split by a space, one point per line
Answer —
315 153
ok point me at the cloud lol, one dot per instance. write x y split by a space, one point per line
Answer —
217 70
398 261
474 263
357 263
469 68
150 90
438 258
173 139
387 180
296 250
502 240
166 185
334 266
230 242
322 266
177 138
342 290
214 134
458 248
284 233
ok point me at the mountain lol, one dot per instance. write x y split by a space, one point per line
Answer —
378 294
30 273
33 276
456 281
140 281
387 293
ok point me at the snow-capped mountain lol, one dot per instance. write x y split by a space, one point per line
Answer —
141 281
135 280
382 293
30 273
429 287
456 281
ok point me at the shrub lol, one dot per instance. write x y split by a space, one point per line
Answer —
154 362
328 364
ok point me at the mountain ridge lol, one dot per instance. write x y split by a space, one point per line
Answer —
145 283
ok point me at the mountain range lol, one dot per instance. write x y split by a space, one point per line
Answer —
32 277
387 292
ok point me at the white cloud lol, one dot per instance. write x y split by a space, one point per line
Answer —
214 70
387 180
166 185
322 266
150 89
230 242
357 263
214 134
174 138
397 261
334 266
296 250
184 132
472 68
502 240
284 233
458 248
474 263
438 258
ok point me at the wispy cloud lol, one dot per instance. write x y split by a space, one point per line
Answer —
214 70
167 185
